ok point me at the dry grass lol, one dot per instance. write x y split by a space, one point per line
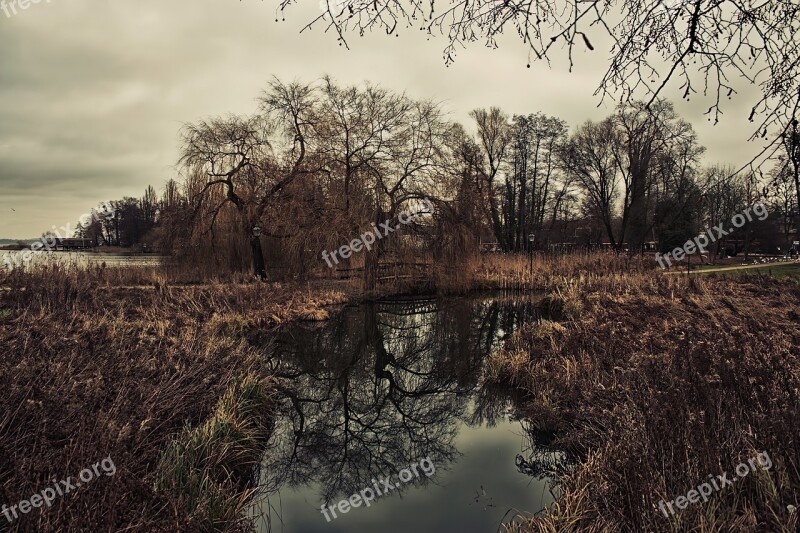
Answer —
654 381
512 271
208 472
92 370
657 384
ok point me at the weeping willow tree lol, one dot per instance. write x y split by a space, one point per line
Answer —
246 162
317 166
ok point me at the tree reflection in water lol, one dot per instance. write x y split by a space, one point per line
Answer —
383 385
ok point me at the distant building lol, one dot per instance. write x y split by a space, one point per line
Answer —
74 244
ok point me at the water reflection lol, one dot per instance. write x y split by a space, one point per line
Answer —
381 386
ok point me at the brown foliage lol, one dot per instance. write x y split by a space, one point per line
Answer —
92 370
658 384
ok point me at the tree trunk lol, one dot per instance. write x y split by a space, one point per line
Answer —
372 257
795 158
498 228
371 260
259 268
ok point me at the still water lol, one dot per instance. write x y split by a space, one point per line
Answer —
382 386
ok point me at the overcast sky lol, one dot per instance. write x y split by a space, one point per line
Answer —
94 92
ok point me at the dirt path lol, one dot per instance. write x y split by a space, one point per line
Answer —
733 267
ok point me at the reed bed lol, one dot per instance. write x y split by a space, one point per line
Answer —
209 473
550 271
655 383
92 370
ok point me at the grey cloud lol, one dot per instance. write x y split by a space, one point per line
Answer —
93 94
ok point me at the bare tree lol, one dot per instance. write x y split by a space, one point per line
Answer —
791 144
229 152
590 157
493 138
782 198
241 158
723 198
652 140
536 144
703 44
404 175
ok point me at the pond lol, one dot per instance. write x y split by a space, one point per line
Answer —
387 386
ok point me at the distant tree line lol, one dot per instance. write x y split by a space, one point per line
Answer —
138 222
319 163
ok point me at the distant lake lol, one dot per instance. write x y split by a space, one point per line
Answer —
80 259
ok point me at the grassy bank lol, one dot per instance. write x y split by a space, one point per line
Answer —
655 383
207 472
92 370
